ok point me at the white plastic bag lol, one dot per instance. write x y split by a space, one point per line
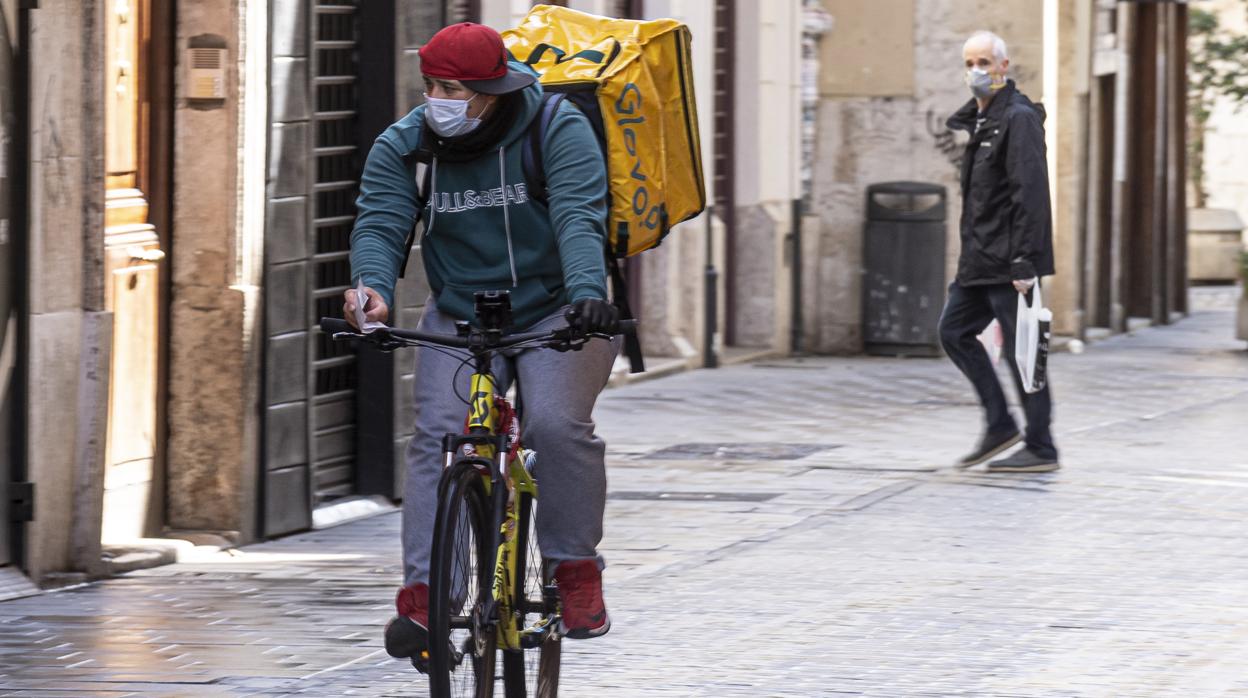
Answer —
1031 340
993 339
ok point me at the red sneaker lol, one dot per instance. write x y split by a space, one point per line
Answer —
580 595
407 634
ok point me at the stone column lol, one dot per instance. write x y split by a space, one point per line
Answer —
1067 71
768 168
69 329
214 372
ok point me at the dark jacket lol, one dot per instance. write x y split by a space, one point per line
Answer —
1007 226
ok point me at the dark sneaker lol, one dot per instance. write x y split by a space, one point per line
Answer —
989 446
1025 461
407 634
580 596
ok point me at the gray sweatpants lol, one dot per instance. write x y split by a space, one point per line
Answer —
558 391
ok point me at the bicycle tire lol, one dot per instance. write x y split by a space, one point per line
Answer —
523 674
461 661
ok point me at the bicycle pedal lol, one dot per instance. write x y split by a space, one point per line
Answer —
533 637
421 662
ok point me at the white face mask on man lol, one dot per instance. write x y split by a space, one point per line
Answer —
449 117
982 83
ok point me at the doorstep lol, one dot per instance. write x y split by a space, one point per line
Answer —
14 584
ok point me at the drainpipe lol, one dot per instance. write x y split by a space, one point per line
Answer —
710 301
795 291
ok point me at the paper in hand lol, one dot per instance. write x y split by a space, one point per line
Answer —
361 298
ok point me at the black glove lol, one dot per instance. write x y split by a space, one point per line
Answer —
594 315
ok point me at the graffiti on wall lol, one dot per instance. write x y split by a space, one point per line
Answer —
945 139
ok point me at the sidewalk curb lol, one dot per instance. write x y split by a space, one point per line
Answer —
667 366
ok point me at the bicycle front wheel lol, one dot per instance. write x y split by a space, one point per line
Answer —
533 671
461 651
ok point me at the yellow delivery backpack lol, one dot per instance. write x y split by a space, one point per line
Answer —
634 81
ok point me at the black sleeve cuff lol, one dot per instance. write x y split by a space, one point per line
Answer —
1022 270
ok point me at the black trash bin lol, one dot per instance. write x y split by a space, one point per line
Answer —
903 268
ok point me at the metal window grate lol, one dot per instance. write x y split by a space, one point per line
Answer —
337 96
333 273
333 379
328 304
336 167
336 202
333 24
335 133
335 478
335 61
338 162
327 348
332 238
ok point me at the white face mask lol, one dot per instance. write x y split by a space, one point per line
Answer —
449 117
982 83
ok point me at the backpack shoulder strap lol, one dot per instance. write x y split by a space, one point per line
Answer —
418 161
619 294
531 155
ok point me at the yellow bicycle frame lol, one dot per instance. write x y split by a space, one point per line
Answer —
505 573
483 413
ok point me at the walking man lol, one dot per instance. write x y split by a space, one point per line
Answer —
1007 244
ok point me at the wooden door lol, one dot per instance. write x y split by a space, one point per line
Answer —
133 257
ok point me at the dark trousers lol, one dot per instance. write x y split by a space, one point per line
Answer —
968 311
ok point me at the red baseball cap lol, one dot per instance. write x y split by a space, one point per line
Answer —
474 55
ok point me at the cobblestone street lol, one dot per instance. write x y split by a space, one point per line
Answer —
784 528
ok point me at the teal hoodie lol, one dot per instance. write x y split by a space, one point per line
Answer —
482 230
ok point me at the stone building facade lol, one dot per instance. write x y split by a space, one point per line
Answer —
184 186
1111 78
179 189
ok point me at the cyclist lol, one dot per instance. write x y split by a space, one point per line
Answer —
483 232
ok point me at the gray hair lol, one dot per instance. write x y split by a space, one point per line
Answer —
999 50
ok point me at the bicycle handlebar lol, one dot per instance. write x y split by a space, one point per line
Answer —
334 326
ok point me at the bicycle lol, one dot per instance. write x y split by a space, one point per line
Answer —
486 506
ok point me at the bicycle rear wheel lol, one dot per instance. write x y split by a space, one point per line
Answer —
533 671
461 654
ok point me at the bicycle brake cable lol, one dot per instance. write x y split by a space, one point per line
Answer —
455 379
